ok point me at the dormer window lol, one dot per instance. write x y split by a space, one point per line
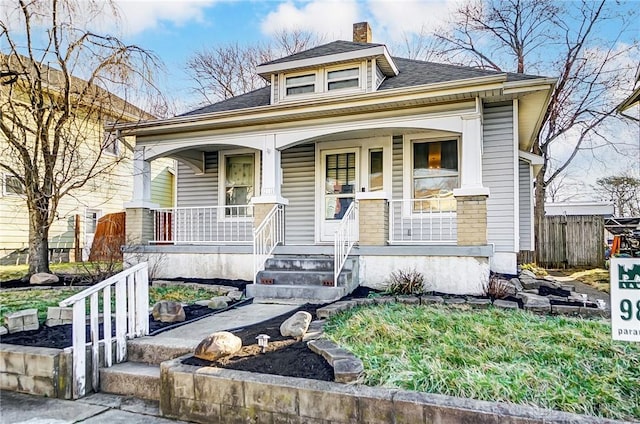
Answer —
301 84
343 78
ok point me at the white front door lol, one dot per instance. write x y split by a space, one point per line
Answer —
339 182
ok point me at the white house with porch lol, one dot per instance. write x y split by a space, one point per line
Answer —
349 165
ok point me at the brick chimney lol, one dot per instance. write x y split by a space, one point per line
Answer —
361 32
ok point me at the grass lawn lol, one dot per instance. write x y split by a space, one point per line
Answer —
15 272
510 356
41 299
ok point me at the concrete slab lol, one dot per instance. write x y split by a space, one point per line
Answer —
115 416
22 408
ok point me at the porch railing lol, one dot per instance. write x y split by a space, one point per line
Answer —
266 237
422 220
131 320
204 225
343 240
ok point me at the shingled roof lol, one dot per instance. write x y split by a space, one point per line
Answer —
411 73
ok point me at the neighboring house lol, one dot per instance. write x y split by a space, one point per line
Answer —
78 213
424 166
604 209
632 102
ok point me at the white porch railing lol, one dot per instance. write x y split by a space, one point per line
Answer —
210 224
343 240
266 237
422 221
131 320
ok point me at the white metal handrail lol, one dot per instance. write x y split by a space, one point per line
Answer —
131 320
266 237
422 220
203 225
343 240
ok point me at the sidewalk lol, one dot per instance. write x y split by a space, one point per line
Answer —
99 408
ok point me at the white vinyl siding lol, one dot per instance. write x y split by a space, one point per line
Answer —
379 77
498 173
525 194
198 190
298 173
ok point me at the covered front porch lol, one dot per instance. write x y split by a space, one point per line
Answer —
390 194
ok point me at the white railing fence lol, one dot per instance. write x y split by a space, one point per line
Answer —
209 224
343 240
131 320
266 237
422 220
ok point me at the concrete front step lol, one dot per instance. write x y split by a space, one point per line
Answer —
312 294
155 350
131 379
304 263
302 278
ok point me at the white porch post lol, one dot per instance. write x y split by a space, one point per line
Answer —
471 197
270 189
139 217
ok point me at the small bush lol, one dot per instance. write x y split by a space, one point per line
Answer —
406 282
496 288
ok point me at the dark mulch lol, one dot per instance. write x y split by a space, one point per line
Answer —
284 356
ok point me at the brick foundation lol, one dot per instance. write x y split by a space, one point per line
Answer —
373 222
139 226
472 220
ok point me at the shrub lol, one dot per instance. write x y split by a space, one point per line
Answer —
496 288
406 282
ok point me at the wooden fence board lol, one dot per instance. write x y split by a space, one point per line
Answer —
571 242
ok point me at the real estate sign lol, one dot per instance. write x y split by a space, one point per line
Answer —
625 299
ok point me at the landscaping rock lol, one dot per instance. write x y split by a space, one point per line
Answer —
565 310
479 303
427 300
348 370
505 304
217 345
532 291
168 311
43 278
219 302
234 295
528 273
25 320
534 302
454 301
515 282
296 325
529 283
3 330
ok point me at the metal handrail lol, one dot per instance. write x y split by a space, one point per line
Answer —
131 318
343 240
266 237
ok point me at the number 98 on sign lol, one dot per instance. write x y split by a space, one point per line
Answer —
625 299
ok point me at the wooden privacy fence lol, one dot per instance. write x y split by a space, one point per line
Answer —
571 242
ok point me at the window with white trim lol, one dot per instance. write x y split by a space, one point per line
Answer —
300 84
239 176
343 78
111 143
376 175
12 186
435 174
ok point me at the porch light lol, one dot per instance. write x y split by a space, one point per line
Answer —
263 341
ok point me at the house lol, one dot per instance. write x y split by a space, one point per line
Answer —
78 213
604 209
375 162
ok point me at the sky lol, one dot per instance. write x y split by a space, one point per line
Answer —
176 29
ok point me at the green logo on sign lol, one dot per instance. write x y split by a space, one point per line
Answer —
629 279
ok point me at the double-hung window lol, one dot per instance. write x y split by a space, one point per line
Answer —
12 186
239 183
300 84
111 144
435 174
343 78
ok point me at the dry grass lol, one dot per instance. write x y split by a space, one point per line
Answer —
597 278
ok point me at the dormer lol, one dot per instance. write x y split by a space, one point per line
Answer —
336 69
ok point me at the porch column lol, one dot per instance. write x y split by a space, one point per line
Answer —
139 217
270 192
471 197
373 218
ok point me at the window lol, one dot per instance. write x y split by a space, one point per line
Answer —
13 186
111 143
91 220
300 84
375 170
435 174
239 177
340 184
343 78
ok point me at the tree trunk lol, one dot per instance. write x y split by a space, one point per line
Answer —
38 240
539 213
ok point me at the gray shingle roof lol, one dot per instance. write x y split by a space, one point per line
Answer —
334 47
412 73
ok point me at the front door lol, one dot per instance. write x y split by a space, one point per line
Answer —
339 183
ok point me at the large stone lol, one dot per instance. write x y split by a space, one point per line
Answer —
515 282
296 325
534 302
218 345
43 278
529 283
168 311
25 320
527 273
219 302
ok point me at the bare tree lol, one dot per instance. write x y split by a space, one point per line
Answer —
226 71
560 39
623 191
52 141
